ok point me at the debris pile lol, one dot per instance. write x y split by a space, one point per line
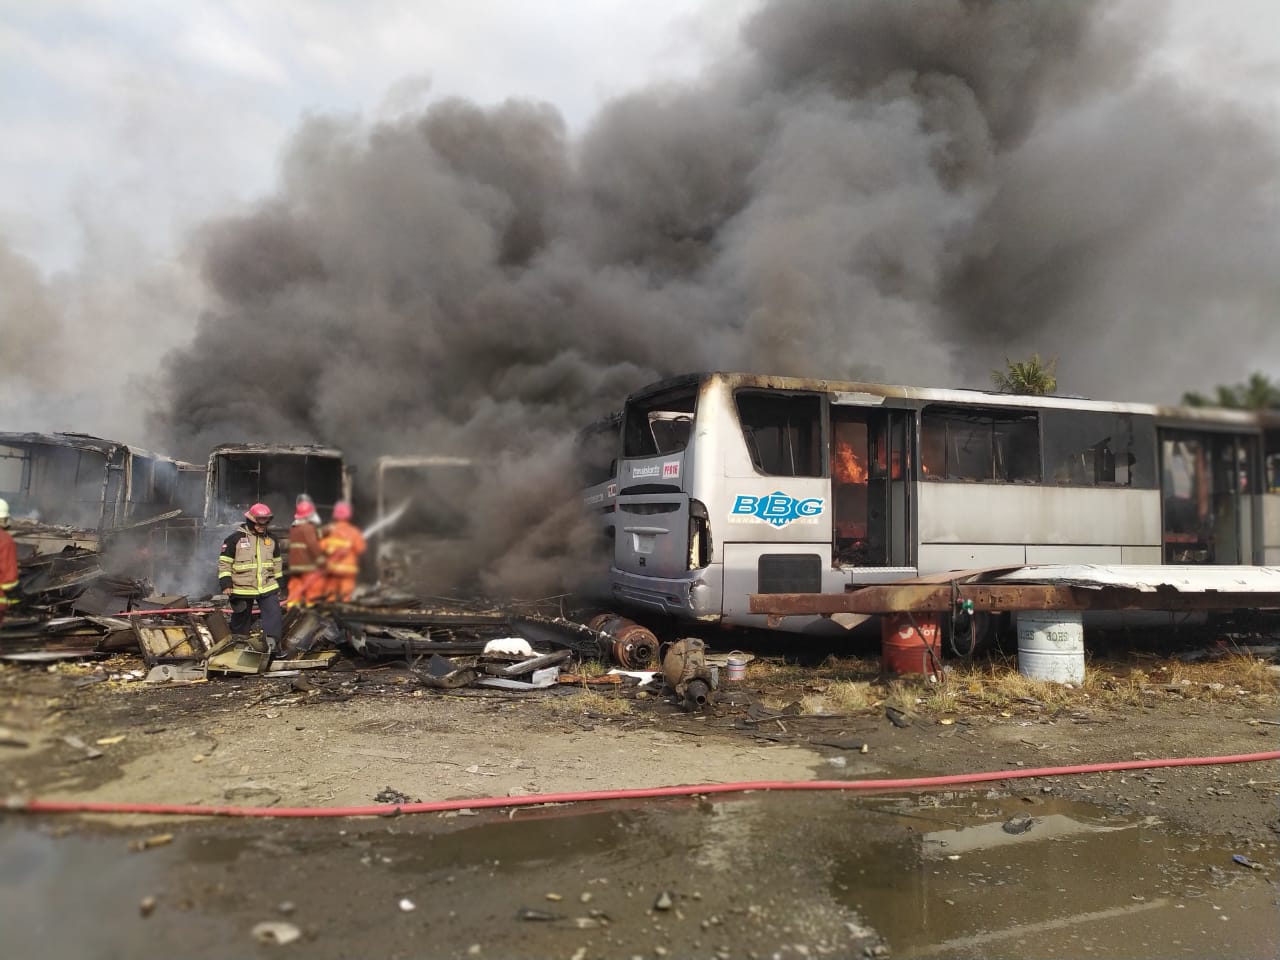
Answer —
444 646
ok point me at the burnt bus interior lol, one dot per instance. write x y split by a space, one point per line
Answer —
660 424
871 465
1204 480
240 478
59 484
85 483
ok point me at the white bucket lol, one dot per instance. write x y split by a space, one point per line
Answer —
735 667
1051 645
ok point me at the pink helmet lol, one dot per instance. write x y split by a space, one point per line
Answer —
258 513
342 510
305 509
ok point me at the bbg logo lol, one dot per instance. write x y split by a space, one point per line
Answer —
776 509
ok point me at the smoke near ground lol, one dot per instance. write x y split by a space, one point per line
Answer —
907 192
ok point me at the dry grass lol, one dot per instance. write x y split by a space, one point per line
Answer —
588 701
840 698
776 672
846 696
847 686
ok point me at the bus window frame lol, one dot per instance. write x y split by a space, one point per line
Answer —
818 439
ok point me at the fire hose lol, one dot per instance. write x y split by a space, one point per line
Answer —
34 805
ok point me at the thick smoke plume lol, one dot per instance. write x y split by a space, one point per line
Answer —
896 191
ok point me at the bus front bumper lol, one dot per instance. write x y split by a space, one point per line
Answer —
697 597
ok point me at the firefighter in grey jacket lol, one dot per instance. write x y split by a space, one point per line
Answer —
249 570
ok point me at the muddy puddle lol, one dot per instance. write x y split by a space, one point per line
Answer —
785 875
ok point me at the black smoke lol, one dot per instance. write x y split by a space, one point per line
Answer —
906 192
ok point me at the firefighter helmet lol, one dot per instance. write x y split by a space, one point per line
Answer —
305 509
258 513
342 510
4 509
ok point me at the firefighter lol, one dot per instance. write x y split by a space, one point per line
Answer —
343 544
8 563
306 559
249 571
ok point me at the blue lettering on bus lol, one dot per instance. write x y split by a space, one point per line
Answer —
777 508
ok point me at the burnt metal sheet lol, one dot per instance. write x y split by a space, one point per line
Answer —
50 656
169 642
511 671
1153 577
1047 587
925 598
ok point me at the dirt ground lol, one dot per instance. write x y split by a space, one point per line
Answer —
86 731
338 738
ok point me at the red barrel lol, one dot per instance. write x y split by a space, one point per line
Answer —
905 645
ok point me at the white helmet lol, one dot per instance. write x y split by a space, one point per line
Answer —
4 509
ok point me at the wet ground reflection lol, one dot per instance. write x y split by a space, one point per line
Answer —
939 875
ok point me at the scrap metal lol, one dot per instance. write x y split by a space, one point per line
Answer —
684 667
1075 587
631 646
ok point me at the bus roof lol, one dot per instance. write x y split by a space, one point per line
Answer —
1165 414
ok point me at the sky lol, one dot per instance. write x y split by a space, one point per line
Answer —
134 128
152 115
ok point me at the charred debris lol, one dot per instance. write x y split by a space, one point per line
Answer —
114 544
83 615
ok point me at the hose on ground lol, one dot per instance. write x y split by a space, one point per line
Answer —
33 805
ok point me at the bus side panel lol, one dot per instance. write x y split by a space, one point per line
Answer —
1147 556
778 568
938 557
1271 529
781 510
961 513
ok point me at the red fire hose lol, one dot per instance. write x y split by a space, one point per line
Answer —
20 805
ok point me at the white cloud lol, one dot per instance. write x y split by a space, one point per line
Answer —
214 42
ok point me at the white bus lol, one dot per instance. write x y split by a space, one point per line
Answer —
732 484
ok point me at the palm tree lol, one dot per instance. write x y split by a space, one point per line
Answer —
1257 393
1032 377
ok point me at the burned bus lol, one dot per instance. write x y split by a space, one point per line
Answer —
239 475
71 489
733 484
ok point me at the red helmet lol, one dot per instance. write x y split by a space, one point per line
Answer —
258 513
305 509
342 510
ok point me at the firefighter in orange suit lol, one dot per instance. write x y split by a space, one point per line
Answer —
306 559
8 563
343 544
249 571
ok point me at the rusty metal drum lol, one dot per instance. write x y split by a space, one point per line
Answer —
909 643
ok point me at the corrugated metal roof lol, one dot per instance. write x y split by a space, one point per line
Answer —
1151 578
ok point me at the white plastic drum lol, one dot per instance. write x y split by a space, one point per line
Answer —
1051 645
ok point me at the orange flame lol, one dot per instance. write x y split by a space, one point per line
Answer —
849 468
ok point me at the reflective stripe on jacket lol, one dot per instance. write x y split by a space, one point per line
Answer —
342 543
250 564
304 547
